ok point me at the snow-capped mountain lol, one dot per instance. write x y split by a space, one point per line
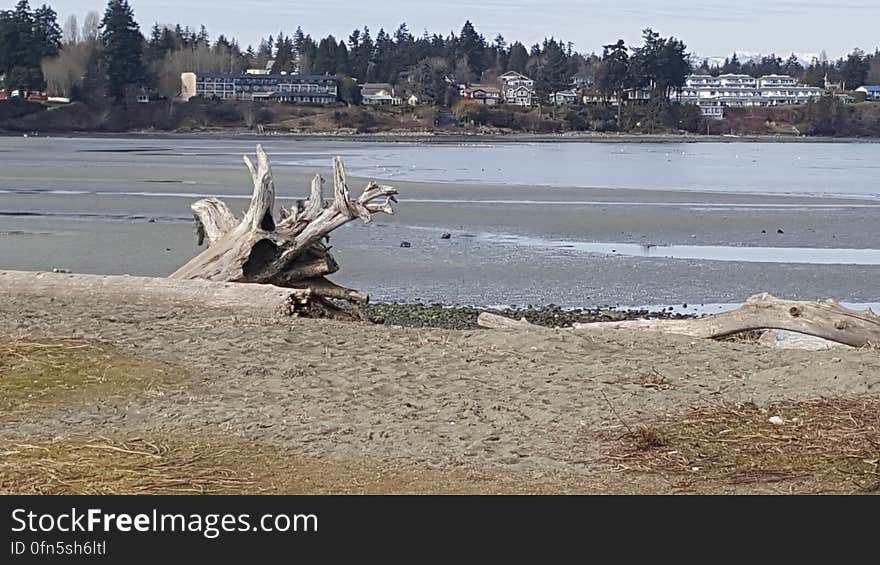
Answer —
804 58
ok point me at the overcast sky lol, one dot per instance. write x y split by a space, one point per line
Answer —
709 27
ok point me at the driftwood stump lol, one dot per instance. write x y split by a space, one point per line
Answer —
288 249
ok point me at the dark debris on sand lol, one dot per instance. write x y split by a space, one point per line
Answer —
465 317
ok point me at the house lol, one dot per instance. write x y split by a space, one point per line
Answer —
315 89
871 92
482 93
833 86
379 94
844 98
517 89
564 97
513 78
413 100
593 96
712 111
637 95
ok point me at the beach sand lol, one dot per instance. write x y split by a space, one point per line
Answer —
299 405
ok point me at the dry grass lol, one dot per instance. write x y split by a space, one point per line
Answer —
822 445
179 463
38 373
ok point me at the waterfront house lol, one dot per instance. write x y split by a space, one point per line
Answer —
517 89
871 92
564 97
314 89
379 94
482 93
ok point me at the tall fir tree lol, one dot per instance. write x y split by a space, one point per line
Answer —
123 48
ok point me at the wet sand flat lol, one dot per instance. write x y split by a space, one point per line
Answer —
121 206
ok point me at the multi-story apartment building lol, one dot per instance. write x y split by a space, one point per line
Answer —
317 89
743 91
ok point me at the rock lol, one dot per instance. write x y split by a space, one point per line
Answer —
780 231
57 270
776 420
405 244
446 236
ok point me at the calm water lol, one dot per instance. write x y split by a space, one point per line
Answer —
849 169
759 168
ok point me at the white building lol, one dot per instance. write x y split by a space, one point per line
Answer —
739 91
870 92
316 89
771 81
517 89
564 97
379 94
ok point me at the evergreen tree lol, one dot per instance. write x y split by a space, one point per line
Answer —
518 58
46 31
472 46
854 69
123 47
554 73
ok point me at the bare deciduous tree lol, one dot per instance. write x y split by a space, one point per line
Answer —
90 27
71 30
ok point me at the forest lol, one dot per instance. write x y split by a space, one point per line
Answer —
108 57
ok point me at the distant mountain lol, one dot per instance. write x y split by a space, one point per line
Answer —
805 59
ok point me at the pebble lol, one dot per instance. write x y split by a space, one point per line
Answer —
776 420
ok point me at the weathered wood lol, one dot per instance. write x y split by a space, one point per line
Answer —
124 289
495 322
824 319
288 252
213 219
782 339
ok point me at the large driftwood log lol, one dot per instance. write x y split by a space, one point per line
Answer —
284 249
825 319
247 299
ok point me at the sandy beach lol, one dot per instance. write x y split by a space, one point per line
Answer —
353 407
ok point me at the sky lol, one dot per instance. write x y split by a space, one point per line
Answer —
710 28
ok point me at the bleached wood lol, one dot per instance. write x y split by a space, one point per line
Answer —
260 250
825 319
495 322
124 289
213 219
782 339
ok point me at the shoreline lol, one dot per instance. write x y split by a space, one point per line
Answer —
445 137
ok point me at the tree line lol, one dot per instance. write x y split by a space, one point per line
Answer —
109 56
